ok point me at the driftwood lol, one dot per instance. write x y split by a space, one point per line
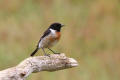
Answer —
35 64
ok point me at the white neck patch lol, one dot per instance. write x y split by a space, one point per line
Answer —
53 31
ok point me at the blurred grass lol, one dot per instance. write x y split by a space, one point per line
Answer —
91 35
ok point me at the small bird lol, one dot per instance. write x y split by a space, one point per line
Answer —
50 37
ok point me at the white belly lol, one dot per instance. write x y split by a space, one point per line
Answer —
45 43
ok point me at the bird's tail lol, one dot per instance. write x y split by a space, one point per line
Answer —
33 53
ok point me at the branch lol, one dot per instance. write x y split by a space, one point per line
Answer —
36 64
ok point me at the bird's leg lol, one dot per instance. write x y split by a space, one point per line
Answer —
45 52
53 51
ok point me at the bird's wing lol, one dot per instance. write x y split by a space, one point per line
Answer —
46 33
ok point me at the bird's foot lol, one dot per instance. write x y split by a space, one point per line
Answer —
47 54
56 53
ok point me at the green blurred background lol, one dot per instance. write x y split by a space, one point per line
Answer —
91 35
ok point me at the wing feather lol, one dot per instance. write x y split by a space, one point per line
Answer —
46 33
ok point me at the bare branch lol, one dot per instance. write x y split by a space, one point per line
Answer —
36 64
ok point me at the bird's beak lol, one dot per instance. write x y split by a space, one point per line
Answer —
62 25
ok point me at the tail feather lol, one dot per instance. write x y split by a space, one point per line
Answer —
33 53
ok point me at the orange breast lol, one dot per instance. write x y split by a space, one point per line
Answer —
57 37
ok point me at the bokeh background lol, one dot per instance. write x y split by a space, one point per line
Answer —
91 35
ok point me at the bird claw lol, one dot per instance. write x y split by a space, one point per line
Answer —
47 55
56 53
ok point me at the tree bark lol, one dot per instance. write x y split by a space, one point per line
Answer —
36 64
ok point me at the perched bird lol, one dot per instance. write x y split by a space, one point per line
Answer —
50 37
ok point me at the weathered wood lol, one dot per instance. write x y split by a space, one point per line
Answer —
36 64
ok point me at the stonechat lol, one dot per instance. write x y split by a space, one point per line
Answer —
50 37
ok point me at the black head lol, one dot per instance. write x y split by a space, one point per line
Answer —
56 26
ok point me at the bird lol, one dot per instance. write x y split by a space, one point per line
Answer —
49 38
